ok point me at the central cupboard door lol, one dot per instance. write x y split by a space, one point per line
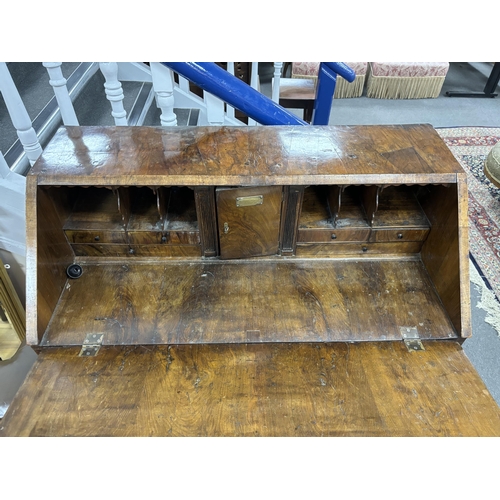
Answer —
248 221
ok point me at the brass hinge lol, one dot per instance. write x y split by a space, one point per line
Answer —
91 344
411 339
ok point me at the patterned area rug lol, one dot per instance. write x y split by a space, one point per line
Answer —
470 146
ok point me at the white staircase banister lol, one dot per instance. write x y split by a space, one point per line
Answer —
276 82
58 82
255 84
163 85
19 115
114 91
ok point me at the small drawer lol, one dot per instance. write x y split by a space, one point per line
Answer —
350 248
167 251
333 235
96 236
164 237
386 235
133 237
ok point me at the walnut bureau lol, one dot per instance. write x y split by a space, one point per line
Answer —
249 281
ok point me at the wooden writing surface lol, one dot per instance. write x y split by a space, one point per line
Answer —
342 389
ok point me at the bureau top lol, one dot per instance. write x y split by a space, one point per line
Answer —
279 155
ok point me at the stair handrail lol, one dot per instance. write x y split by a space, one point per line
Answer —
325 89
219 82
341 69
238 94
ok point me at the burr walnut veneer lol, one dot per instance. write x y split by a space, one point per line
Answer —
243 263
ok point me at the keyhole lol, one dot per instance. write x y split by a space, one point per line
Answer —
226 228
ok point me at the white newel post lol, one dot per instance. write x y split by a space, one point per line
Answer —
114 92
12 212
19 115
276 81
254 83
163 85
58 82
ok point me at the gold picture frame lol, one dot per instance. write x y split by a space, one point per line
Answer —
13 311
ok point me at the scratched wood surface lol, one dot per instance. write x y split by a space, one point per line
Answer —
248 301
48 255
445 252
228 156
363 389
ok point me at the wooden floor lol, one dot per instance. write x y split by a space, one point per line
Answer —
257 301
341 389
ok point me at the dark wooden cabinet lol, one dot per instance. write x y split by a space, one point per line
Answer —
254 243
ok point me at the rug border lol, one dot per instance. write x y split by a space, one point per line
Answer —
480 130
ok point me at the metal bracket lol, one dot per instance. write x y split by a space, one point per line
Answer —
91 344
411 339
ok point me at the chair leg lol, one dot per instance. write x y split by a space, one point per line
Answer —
308 112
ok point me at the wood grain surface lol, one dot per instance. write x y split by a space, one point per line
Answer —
445 251
344 249
363 389
249 231
149 216
207 220
249 301
398 207
136 250
238 156
48 256
290 214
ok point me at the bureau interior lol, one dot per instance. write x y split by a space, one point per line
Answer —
120 221
369 261
353 219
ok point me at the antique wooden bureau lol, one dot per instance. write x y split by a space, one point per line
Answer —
249 281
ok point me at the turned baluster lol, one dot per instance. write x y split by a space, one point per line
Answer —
114 92
58 82
215 109
163 84
254 83
276 81
19 115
